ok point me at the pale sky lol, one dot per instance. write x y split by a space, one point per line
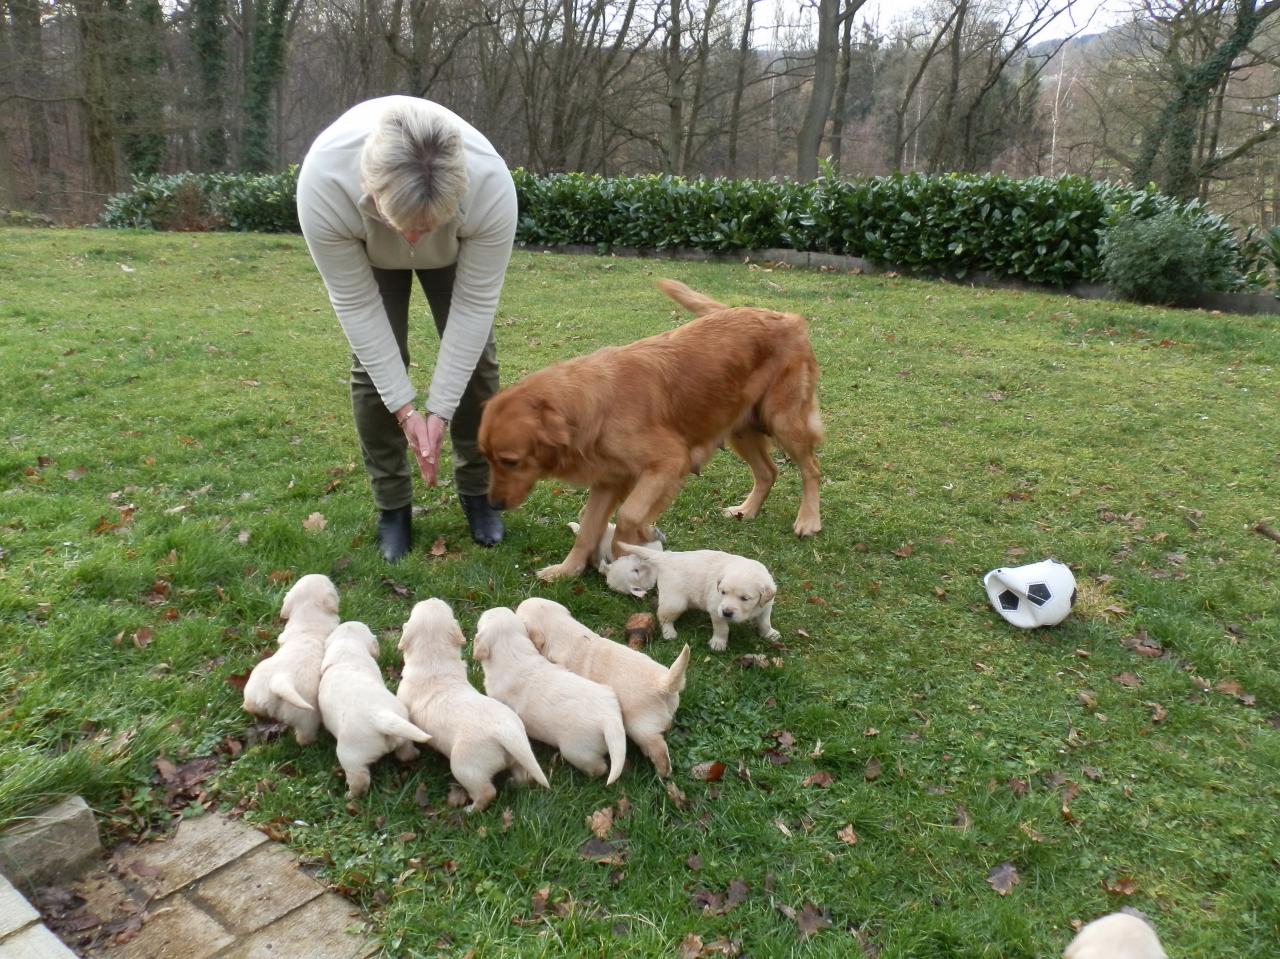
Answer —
1105 13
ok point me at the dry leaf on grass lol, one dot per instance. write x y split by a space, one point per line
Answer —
600 822
315 523
708 772
1003 878
847 835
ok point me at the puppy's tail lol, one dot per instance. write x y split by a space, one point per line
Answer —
615 737
521 753
281 685
644 552
388 723
675 675
693 301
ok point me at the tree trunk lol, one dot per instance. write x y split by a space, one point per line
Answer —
842 94
30 80
809 140
208 42
98 128
675 92
266 70
735 111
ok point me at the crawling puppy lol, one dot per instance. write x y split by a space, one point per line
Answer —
366 720
580 718
630 575
733 589
480 736
284 685
647 692
1116 936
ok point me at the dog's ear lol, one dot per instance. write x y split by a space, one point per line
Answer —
767 592
553 429
536 636
455 634
481 646
404 638
371 641
286 608
330 603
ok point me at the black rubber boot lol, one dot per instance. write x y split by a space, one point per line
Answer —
484 520
395 533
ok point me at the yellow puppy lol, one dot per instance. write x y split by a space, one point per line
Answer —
480 736
647 692
284 685
580 718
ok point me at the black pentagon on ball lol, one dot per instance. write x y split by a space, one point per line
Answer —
1008 599
1038 593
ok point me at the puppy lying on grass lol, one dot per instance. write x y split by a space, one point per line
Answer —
580 718
1116 936
629 575
366 720
480 736
284 685
733 589
647 692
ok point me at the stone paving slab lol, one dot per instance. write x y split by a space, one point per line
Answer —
34 942
53 845
15 911
264 885
199 846
176 929
328 927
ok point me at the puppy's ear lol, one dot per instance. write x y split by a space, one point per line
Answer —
286 608
404 638
455 634
480 648
767 592
330 603
375 648
552 429
536 636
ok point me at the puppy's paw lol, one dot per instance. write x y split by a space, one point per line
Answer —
772 635
718 644
668 631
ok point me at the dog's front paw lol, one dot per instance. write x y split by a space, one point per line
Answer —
807 526
668 631
559 571
719 644
772 635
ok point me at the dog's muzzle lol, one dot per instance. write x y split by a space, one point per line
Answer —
726 613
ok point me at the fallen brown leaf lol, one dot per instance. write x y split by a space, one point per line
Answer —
1124 886
315 523
1003 878
677 796
1128 679
821 779
438 548
600 822
847 835
708 772
873 770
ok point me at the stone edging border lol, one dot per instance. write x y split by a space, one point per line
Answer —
1249 304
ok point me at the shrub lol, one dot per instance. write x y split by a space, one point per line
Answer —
1167 258
208 201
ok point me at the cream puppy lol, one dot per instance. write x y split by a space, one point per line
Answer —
629 575
284 685
366 720
647 692
1116 936
580 718
733 589
480 736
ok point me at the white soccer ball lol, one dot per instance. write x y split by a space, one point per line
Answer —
1039 594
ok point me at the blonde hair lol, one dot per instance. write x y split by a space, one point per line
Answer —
413 167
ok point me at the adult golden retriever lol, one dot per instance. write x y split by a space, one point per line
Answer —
631 422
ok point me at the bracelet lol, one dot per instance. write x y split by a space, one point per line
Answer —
401 420
440 418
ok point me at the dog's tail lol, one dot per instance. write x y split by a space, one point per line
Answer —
281 685
675 675
521 753
696 303
388 723
615 737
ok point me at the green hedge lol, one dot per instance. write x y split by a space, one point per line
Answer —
1041 230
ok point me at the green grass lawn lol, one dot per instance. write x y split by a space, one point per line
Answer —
175 408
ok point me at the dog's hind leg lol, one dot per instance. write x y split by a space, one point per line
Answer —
753 447
592 522
792 418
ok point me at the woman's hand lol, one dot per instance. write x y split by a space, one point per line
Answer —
426 437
